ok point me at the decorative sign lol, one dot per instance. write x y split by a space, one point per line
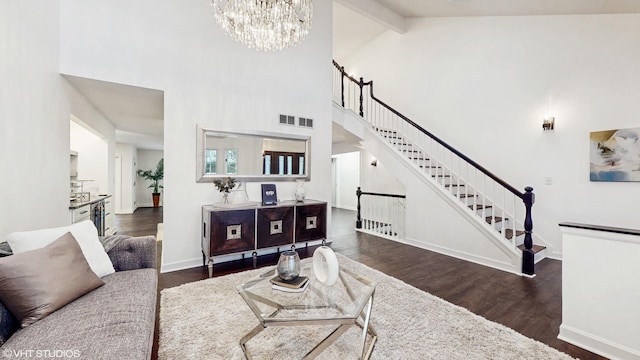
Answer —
615 155
269 195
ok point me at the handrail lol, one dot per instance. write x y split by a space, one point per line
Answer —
528 197
383 195
435 138
397 223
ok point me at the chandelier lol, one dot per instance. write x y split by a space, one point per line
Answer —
264 24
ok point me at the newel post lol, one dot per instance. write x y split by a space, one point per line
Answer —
528 262
361 97
358 218
342 85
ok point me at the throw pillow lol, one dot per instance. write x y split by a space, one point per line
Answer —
35 283
84 232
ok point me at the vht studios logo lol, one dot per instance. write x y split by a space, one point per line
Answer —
43 354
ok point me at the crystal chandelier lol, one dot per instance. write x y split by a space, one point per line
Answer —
265 24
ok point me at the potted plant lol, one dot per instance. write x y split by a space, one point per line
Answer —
154 176
225 186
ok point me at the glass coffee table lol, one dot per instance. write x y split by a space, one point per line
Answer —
346 303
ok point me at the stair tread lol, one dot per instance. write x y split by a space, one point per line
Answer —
450 185
464 196
497 219
480 206
509 233
536 248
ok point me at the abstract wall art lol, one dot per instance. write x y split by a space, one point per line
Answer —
615 155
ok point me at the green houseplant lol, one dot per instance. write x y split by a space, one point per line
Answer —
154 176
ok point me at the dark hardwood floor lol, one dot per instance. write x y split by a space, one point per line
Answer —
144 221
532 307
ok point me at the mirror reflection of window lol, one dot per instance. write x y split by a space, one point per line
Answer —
301 165
289 164
267 165
281 165
231 161
210 161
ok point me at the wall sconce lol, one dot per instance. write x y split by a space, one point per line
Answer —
547 123
374 162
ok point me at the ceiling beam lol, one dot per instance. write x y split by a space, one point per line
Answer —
378 13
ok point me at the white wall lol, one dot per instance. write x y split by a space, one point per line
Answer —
34 119
92 157
378 178
484 85
601 292
128 198
207 79
347 180
147 160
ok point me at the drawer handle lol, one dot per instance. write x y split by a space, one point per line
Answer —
84 212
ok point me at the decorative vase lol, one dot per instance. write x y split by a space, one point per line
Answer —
325 266
225 197
289 265
240 195
300 191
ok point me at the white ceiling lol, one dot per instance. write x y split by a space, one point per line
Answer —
138 113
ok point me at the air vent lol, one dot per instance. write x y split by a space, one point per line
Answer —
305 122
287 119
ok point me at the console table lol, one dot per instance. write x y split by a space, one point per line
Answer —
243 228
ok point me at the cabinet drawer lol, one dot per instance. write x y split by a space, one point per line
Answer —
232 231
80 214
275 226
311 222
108 205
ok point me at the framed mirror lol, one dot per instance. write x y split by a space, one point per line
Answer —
255 156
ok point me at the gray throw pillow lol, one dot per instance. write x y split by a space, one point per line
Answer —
35 283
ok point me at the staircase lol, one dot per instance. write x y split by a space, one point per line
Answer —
496 208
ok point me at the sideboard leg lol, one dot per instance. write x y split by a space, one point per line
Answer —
210 266
255 259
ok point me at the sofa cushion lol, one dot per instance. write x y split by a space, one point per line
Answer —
35 283
115 321
8 324
85 233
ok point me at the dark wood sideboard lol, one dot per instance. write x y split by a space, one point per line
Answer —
242 229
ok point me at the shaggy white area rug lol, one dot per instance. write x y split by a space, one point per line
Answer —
206 319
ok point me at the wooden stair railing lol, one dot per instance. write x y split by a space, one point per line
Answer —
384 214
458 174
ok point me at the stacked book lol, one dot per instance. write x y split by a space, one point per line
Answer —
296 285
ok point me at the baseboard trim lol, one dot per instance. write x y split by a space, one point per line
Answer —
510 268
346 207
181 265
596 344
